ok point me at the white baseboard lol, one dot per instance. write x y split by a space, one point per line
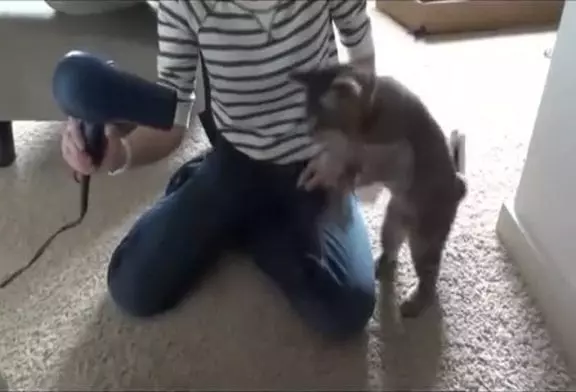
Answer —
546 283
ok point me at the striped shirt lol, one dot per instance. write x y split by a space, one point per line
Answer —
250 49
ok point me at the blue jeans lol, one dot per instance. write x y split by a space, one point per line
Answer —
229 201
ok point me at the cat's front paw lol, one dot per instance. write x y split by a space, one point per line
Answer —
417 302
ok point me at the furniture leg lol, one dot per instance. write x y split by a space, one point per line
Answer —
7 148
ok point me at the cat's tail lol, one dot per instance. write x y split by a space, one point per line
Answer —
458 152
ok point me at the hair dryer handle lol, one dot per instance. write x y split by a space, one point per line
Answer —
95 141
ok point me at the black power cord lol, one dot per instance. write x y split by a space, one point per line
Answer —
84 197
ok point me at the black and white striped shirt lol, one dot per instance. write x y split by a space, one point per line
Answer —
250 48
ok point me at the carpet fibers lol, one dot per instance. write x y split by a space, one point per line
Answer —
59 331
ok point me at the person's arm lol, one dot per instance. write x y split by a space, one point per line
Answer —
176 66
355 30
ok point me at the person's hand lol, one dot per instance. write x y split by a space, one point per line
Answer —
323 172
316 173
76 157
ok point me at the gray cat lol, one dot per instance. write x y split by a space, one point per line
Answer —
375 130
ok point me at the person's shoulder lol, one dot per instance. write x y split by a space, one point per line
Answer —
198 9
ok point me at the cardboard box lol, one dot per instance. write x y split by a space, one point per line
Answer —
424 17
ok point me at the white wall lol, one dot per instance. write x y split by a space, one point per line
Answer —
545 200
538 227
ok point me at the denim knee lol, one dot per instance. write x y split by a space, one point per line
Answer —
132 294
131 302
132 288
348 317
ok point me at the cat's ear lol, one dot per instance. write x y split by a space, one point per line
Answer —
343 91
317 80
347 87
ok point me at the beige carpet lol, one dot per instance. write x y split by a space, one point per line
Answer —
59 331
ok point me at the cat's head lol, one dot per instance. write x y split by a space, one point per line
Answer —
337 99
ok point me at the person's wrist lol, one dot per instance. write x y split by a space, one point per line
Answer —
122 159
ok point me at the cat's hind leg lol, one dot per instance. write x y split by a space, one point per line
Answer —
426 256
427 240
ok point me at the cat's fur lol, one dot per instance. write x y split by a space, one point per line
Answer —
377 125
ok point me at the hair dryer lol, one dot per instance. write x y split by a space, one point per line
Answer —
95 92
